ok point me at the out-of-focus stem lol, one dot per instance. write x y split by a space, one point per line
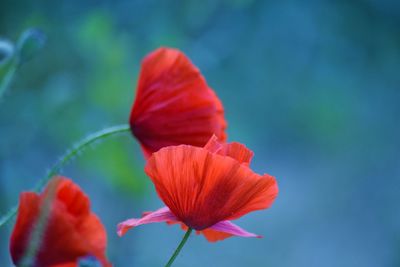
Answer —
36 236
8 78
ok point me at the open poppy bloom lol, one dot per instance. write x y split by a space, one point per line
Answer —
206 188
174 105
71 232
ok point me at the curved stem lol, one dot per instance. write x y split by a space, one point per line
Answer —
78 147
180 246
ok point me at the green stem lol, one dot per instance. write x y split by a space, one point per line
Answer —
36 236
180 246
78 147
8 78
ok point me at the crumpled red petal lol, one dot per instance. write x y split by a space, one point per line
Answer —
72 231
203 188
174 105
234 150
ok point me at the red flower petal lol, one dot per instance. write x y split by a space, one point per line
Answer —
217 232
214 236
72 231
203 188
229 229
160 215
221 231
27 213
174 104
234 150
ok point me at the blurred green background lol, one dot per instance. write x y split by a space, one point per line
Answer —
311 86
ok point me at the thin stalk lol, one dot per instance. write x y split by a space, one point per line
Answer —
36 236
78 147
8 78
180 246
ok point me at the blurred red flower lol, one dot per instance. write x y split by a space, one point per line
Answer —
206 188
174 105
72 231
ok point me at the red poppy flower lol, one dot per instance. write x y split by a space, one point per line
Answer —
206 188
174 105
72 230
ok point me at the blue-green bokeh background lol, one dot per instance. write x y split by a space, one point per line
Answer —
312 87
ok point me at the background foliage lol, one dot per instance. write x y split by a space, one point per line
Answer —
311 86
